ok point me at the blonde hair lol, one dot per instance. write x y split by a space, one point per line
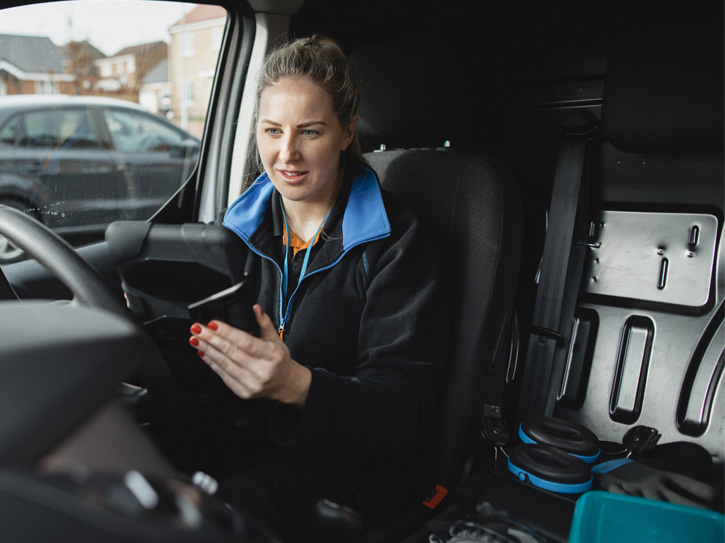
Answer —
323 62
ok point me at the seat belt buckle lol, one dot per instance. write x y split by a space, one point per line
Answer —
435 497
494 428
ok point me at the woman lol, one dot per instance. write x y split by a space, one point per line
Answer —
338 389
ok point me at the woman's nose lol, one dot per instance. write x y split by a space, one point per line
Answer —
288 150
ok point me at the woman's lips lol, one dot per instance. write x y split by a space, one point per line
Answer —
292 176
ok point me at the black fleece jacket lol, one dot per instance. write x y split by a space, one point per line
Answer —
369 319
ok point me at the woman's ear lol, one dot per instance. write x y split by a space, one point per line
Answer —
349 133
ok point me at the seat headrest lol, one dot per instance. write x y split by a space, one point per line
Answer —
409 94
663 90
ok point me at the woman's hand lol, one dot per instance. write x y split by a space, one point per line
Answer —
252 367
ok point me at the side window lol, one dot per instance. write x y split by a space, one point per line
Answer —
133 132
60 129
127 134
10 131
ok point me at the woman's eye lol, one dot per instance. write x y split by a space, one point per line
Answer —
310 133
272 131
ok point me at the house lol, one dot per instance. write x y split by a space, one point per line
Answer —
80 58
125 71
32 65
155 92
35 65
194 50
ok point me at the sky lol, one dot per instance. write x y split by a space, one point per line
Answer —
127 23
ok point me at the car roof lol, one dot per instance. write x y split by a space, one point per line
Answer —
26 101
12 104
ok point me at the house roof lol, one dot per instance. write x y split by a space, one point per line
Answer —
138 49
202 12
31 54
88 49
159 73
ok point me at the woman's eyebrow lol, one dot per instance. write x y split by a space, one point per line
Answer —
311 123
302 125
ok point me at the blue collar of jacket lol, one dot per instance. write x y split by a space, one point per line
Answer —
364 219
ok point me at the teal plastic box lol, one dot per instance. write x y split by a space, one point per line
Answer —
603 517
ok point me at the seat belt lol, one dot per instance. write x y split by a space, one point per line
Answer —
561 269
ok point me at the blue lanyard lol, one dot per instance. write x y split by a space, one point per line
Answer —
285 276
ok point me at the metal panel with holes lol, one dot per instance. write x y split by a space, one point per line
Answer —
656 257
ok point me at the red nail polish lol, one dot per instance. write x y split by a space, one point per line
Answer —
200 354
194 341
196 329
213 326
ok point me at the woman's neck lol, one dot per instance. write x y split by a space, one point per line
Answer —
304 217
304 222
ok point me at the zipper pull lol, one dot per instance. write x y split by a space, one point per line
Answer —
281 331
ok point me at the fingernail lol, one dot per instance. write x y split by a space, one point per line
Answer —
200 354
194 341
196 329
213 326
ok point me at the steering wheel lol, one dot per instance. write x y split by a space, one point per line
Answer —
87 288
48 248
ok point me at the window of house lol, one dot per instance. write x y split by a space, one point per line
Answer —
45 87
188 92
216 34
187 44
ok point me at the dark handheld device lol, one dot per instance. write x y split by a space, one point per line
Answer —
232 305
166 268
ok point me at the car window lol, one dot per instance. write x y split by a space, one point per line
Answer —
100 119
57 128
133 132
10 131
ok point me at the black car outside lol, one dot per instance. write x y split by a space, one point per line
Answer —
78 163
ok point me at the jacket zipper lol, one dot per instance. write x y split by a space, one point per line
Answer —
285 313
285 318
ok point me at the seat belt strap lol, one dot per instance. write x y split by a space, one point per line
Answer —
560 272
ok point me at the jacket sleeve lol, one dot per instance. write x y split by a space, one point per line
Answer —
385 408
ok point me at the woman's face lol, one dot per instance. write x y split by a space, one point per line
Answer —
300 140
